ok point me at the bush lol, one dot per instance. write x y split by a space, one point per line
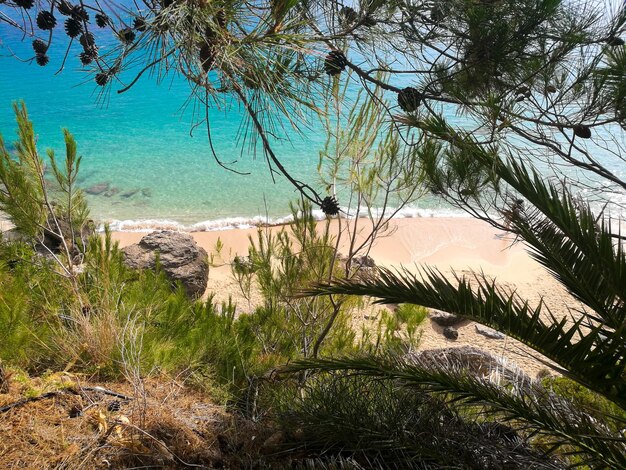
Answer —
380 425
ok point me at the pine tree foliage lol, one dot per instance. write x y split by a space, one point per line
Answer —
36 204
22 189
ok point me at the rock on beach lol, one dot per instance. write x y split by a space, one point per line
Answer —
180 257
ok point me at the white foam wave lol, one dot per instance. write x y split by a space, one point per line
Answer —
230 223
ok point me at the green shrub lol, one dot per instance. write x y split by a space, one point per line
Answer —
380 425
33 298
591 402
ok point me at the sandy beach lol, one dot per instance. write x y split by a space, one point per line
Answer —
459 245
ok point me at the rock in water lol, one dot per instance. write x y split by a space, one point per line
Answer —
131 193
451 333
99 188
180 258
444 318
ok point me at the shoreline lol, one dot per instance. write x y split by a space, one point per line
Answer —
457 242
246 222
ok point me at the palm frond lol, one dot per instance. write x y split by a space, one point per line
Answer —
542 414
584 353
575 246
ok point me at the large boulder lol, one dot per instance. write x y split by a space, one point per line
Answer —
180 257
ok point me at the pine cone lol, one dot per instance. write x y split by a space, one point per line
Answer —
42 59
126 35
102 20
139 23
72 27
409 99
39 46
220 19
87 41
102 78
369 21
207 56
79 13
347 16
582 131
615 41
25 4
87 57
46 20
550 89
335 63
64 7
330 206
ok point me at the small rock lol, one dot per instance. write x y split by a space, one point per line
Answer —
363 262
98 189
451 333
444 318
488 332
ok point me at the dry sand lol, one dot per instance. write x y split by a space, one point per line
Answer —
450 244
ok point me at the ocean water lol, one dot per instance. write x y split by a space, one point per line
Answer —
139 144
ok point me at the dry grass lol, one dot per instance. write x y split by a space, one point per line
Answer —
79 427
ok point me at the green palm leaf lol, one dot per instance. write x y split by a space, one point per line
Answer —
556 421
583 353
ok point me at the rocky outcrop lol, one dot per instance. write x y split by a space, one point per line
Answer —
58 232
180 257
444 318
471 360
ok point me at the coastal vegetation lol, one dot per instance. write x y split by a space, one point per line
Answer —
542 83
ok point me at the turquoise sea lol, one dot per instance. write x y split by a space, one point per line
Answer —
138 144
140 141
